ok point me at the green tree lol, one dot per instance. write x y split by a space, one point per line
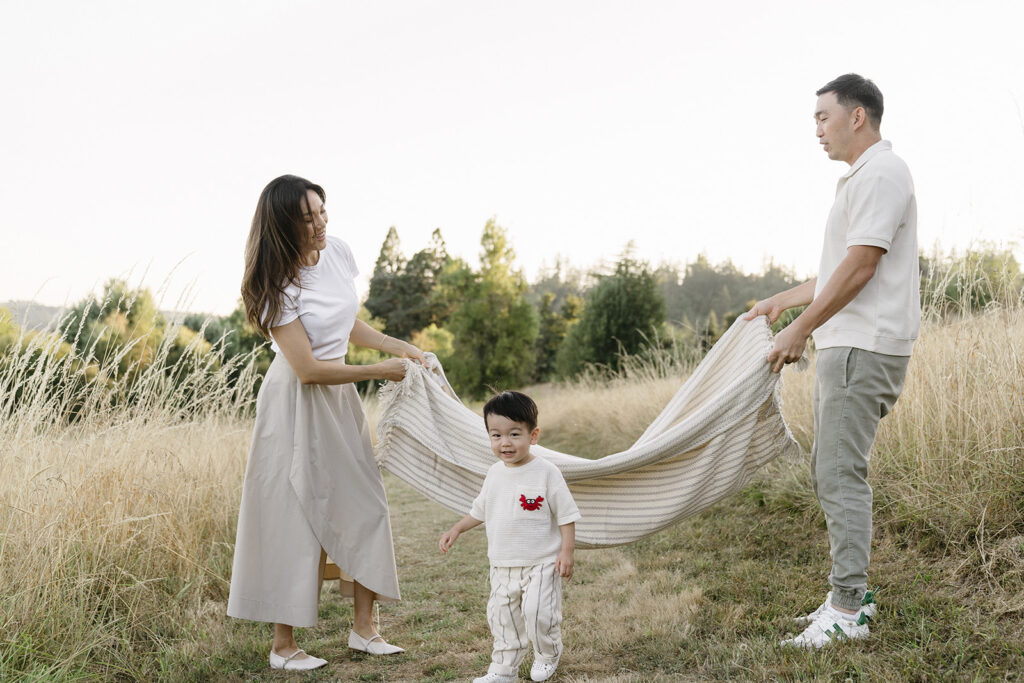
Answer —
437 340
384 296
401 292
703 288
493 325
623 312
561 279
554 325
417 307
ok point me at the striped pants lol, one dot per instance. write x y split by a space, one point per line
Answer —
525 606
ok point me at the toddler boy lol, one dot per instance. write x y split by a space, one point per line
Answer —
531 537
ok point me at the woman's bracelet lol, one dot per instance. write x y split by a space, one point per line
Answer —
383 338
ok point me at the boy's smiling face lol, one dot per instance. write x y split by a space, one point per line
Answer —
511 440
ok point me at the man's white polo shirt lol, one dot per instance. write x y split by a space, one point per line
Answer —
875 206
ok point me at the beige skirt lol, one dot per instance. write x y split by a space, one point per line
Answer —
311 482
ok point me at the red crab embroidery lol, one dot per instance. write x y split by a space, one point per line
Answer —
530 503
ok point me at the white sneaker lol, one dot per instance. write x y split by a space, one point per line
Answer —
830 626
290 663
492 677
542 671
868 607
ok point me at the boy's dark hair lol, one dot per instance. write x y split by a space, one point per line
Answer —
515 406
856 91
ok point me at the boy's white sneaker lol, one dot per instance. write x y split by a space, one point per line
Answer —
542 671
868 607
830 626
492 677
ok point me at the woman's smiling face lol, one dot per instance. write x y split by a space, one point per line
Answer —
314 215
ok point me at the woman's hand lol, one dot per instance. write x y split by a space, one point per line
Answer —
392 369
365 336
407 350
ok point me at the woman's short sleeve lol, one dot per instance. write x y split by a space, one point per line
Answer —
289 307
346 257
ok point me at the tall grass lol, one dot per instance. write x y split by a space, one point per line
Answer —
118 499
948 463
603 410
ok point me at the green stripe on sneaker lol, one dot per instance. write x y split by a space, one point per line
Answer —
839 632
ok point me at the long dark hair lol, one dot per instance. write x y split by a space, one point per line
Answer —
273 252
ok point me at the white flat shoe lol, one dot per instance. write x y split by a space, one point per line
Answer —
290 662
374 646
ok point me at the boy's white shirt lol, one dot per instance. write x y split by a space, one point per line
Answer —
522 530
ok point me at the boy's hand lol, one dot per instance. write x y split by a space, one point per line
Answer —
564 564
448 539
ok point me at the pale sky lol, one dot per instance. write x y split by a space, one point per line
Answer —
136 136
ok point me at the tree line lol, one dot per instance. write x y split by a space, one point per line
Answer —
491 328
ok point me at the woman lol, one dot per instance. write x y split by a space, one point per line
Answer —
311 483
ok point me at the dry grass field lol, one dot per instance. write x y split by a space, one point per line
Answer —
116 537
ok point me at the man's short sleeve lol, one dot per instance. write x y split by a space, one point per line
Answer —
877 208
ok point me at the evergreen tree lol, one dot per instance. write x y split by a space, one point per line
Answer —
554 325
494 327
384 297
622 313
402 292
417 307
560 279
703 288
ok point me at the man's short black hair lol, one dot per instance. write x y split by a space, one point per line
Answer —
513 405
856 91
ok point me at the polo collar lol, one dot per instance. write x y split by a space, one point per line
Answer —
865 157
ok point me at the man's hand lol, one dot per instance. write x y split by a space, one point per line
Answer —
789 347
773 306
769 307
564 564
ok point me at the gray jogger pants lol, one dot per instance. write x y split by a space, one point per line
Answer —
853 390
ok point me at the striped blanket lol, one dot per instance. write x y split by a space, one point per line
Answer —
722 424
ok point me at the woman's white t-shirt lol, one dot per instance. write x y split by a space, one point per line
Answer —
325 301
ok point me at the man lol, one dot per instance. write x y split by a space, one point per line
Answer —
864 312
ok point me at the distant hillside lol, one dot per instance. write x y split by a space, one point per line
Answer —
33 316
